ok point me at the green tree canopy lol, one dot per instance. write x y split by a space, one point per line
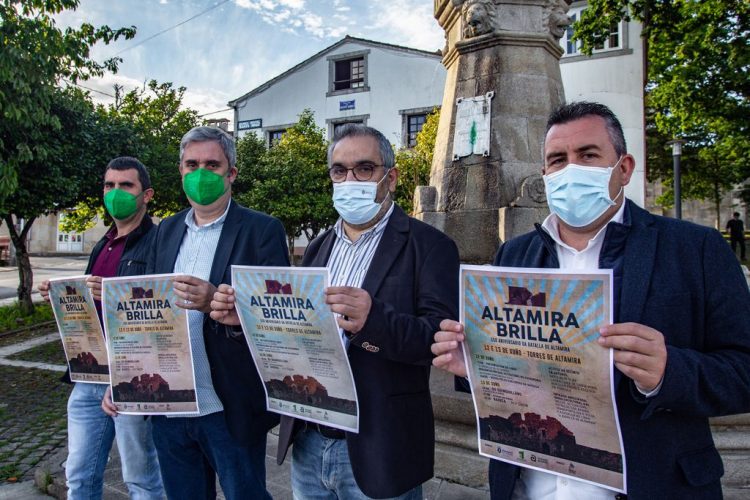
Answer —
698 83
35 55
290 181
414 163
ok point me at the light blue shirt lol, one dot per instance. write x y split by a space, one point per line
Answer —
195 258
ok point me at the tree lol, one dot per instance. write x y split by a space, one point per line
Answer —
35 57
75 153
291 180
698 57
414 163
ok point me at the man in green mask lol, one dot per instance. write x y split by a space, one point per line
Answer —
123 251
228 437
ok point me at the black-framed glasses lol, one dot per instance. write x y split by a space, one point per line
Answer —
362 171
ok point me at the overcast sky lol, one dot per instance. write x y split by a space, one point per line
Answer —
232 46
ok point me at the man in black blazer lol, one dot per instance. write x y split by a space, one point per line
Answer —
681 332
228 437
394 279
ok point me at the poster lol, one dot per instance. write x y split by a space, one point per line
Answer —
542 385
471 134
151 361
80 330
296 344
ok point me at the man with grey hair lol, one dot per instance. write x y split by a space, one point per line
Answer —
228 437
394 278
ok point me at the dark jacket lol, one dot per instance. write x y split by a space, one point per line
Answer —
247 238
682 280
413 283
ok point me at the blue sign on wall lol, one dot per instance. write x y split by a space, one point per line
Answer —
344 105
250 124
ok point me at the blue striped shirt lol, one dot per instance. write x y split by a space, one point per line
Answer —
195 258
349 261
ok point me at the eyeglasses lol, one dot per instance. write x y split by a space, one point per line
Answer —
362 172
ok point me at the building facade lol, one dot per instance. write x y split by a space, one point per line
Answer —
389 87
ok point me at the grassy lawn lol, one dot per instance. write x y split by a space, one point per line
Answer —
51 352
11 317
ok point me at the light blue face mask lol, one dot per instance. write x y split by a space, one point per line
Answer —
355 201
579 195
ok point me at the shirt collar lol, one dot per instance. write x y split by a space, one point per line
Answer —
191 224
378 228
551 225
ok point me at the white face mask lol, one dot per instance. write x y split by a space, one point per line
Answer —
579 195
355 200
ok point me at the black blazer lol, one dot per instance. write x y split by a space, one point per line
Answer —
683 280
413 282
247 238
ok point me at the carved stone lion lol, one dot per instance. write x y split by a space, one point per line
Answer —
479 17
556 17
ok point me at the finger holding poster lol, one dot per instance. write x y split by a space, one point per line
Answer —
150 353
296 345
80 330
542 386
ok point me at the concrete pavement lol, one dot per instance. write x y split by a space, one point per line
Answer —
43 267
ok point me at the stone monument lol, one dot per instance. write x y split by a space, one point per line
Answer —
502 58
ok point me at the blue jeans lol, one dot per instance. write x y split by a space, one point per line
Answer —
90 436
194 450
321 470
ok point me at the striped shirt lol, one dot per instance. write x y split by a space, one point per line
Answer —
349 261
195 258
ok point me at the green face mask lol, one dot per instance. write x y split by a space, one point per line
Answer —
120 204
203 186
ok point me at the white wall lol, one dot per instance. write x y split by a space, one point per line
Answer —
397 80
617 82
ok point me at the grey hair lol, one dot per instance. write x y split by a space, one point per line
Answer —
359 130
577 110
202 134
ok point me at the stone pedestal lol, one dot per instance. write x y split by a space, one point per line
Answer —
509 47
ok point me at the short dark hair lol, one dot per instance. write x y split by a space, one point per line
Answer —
203 134
577 110
736 214
358 130
128 162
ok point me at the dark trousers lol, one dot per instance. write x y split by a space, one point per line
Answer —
194 450
741 242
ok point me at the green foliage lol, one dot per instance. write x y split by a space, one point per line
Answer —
290 181
414 163
35 56
13 317
698 56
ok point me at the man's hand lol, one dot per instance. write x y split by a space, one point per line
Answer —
107 405
448 348
640 352
353 304
222 307
44 289
94 283
195 293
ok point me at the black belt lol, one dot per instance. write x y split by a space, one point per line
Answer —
325 431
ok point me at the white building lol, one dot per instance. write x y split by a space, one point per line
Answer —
388 87
613 75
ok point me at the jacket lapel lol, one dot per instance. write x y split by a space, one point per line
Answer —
174 233
320 259
640 253
229 232
393 240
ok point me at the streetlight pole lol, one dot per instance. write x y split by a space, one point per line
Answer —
676 154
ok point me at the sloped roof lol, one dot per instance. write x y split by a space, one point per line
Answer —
331 48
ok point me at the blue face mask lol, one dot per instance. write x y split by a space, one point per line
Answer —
579 195
355 201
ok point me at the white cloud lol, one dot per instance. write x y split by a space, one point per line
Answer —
407 22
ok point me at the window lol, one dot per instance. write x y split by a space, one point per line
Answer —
573 48
414 126
349 74
336 123
274 136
